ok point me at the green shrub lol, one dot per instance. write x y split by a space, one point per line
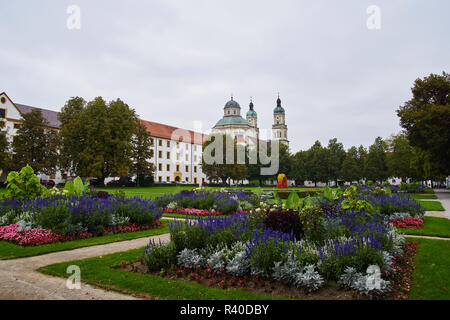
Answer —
54 217
158 256
23 184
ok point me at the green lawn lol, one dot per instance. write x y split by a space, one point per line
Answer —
101 271
431 278
432 205
9 250
432 226
157 191
422 196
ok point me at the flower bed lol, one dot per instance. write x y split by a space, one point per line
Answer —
218 201
408 223
46 220
37 237
326 248
197 212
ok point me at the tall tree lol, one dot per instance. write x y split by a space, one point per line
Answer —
376 161
318 163
351 169
426 118
399 156
142 153
35 144
336 156
97 137
4 151
362 162
301 167
218 168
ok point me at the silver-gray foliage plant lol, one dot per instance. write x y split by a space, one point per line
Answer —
190 258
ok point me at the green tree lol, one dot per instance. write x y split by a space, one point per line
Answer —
399 156
35 144
4 151
426 118
96 137
142 153
301 165
376 161
362 162
336 156
351 169
318 161
218 168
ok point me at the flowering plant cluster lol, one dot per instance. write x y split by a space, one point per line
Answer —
408 222
219 201
402 270
37 237
197 212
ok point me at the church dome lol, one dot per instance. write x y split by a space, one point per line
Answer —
279 108
251 112
232 104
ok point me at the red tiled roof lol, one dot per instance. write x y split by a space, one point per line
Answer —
164 131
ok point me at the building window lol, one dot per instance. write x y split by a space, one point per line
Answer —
3 113
160 142
168 144
2 124
187 157
178 156
168 167
178 167
168 179
168 155
195 180
16 125
187 168
195 148
160 167
187 179
160 154
160 179
195 169
3 100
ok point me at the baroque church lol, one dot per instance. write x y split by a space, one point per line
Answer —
245 130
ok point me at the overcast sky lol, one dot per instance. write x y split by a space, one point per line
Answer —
177 62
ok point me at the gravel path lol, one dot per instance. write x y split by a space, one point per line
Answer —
20 280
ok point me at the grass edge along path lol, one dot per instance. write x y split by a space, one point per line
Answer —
432 226
431 277
431 205
10 250
103 272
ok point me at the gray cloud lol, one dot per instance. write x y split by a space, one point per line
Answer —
178 61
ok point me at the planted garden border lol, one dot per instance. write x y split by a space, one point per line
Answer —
9 250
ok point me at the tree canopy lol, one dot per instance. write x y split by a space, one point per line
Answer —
426 118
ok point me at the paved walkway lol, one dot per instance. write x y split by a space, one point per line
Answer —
20 280
444 197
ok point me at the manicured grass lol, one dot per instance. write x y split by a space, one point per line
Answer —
432 205
9 250
422 196
158 191
431 278
101 271
432 226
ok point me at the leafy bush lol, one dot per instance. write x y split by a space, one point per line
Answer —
286 221
158 256
23 184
